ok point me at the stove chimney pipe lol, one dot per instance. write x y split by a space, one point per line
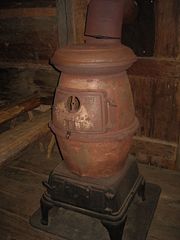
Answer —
105 18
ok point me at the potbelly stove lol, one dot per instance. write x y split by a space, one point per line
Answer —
93 119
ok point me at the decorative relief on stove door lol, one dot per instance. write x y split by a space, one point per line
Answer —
81 111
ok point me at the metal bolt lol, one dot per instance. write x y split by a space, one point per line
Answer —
109 195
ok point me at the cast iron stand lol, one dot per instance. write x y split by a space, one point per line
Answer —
114 224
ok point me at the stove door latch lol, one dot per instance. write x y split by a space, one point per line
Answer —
46 185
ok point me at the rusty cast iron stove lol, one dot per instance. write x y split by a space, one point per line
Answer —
94 122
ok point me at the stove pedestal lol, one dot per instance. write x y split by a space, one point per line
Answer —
107 199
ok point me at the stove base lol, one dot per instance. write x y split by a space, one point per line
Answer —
75 226
106 198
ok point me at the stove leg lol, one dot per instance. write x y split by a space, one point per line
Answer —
45 208
115 230
141 191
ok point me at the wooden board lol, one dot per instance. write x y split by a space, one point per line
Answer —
15 227
21 197
28 12
15 140
28 30
71 21
11 112
166 68
157 106
178 32
26 3
165 224
167 14
155 86
155 152
80 10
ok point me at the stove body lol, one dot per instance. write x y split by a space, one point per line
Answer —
93 114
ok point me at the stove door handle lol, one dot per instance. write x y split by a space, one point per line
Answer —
110 104
46 184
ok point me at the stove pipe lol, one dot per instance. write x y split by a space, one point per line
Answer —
93 114
105 17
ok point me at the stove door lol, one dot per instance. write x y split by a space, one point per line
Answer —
80 111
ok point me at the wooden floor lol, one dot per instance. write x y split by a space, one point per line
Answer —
20 191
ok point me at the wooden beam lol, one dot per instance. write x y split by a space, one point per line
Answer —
166 42
15 140
80 10
178 23
155 152
11 112
27 12
43 65
71 21
4 4
65 16
152 67
178 155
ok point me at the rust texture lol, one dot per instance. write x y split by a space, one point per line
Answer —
93 114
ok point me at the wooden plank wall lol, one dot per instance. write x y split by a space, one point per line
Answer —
28 39
29 36
167 17
28 31
155 84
